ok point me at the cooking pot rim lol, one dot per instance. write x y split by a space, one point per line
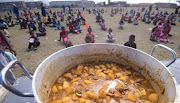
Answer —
40 65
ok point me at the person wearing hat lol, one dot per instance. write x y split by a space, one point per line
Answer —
16 10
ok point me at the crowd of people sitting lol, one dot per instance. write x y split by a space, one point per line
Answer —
75 18
164 20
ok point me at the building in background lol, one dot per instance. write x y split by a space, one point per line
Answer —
165 5
34 5
118 3
5 6
100 4
81 3
145 4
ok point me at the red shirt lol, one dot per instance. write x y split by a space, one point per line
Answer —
64 35
71 27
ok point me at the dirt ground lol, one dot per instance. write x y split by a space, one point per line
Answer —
49 43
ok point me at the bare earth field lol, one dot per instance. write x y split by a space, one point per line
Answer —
49 43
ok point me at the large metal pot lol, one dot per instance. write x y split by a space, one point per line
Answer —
55 65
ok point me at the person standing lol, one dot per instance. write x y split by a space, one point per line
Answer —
16 10
83 7
28 9
64 8
9 75
43 11
176 10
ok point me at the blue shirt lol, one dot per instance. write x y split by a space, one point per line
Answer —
16 10
58 25
43 10
36 38
10 56
64 7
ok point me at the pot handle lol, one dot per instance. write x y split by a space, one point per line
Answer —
10 88
167 48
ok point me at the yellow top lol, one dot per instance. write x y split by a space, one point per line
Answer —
44 19
7 33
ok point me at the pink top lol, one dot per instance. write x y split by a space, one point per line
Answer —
92 34
103 25
159 30
157 12
62 15
164 36
0 39
168 28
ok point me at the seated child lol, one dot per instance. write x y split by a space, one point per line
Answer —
49 20
173 21
77 28
89 29
23 24
62 16
131 43
88 39
129 19
31 26
71 28
33 40
163 37
153 36
42 30
68 21
63 35
136 21
112 13
98 17
103 25
155 21
58 25
110 37
91 34
54 23
121 24
147 21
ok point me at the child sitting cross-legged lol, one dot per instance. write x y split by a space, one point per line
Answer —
33 40
90 34
31 26
63 35
53 22
129 19
58 25
42 30
163 37
110 37
136 21
71 28
103 25
77 27
121 24
154 32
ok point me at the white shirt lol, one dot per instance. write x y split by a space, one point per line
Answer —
110 36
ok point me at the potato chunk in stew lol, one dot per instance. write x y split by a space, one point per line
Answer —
102 82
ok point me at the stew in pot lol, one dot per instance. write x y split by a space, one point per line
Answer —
102 82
